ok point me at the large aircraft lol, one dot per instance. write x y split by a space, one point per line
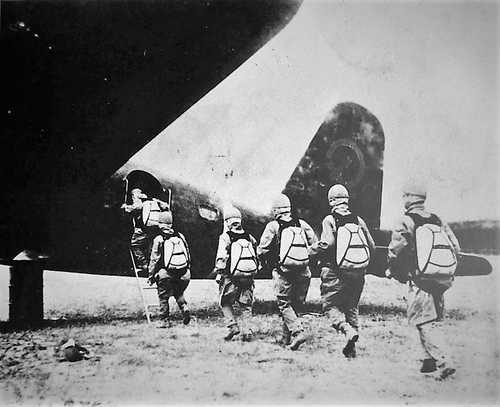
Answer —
215 101
347 148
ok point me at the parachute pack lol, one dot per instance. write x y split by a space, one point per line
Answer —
293 250
352 251
434 251
243 260
175 253
150 213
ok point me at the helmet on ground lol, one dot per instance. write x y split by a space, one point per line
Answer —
72 351
281 205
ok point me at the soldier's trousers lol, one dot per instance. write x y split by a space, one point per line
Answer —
291 288
236 293
140 244
340 294
425 311
172 287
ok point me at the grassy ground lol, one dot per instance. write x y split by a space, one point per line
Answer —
138 364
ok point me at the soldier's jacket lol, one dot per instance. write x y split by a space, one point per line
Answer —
135 209
223 252
268 248
401 247
156 259
325 248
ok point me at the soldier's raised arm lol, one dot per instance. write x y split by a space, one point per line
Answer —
135 206
163 205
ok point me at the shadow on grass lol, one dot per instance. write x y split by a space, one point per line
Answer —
270 307
70 320
212 311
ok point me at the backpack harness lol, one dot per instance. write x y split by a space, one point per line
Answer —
292 245
434 252
242 258
351 247
175 254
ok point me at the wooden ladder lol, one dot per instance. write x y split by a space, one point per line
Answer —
142 288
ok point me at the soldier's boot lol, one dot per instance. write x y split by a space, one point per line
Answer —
352 337
232 330
428 366
186 317
349 350
286 335
297 339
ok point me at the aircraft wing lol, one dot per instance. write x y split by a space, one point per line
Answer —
88 84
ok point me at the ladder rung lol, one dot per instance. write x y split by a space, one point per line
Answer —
149 288
152 305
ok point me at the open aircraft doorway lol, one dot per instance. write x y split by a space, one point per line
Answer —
148 184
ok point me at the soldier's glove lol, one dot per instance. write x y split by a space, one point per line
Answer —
388 273
152 280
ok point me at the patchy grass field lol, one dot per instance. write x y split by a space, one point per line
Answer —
138 364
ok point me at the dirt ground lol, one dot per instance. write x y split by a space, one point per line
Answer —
137 364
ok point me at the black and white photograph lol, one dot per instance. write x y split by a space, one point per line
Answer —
237 202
